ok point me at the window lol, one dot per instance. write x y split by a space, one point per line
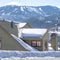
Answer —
33 43
36 43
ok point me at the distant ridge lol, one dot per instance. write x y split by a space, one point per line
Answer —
37 16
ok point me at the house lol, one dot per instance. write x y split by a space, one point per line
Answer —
7 42
29 39
9 27
37 38
55 37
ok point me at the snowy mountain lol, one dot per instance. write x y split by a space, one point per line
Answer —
44 16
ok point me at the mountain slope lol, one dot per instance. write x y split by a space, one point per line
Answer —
44 16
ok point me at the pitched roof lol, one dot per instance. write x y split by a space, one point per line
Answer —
33 33
20 25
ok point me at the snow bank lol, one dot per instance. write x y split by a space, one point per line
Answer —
29 54
49 47
31 58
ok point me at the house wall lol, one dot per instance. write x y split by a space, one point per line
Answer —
54 41
8 42
7 26
45 41
29 40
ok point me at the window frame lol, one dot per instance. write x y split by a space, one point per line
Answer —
36 45
32 43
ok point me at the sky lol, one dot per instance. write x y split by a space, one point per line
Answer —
30 2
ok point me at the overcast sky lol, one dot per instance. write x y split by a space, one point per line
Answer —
30 2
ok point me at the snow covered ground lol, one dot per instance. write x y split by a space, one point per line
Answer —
25 54
30 55
35 58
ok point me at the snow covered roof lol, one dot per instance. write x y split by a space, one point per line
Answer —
57 32
20 25
33 33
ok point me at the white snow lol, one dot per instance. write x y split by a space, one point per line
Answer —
8 13
33 32
25 45
58 27
20 25
57 32
32 9
49 44
15 9
29 54
58 48
48 21
40 9
3 13
31 58
22 8
49 47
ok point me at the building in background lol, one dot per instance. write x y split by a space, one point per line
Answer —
37 38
